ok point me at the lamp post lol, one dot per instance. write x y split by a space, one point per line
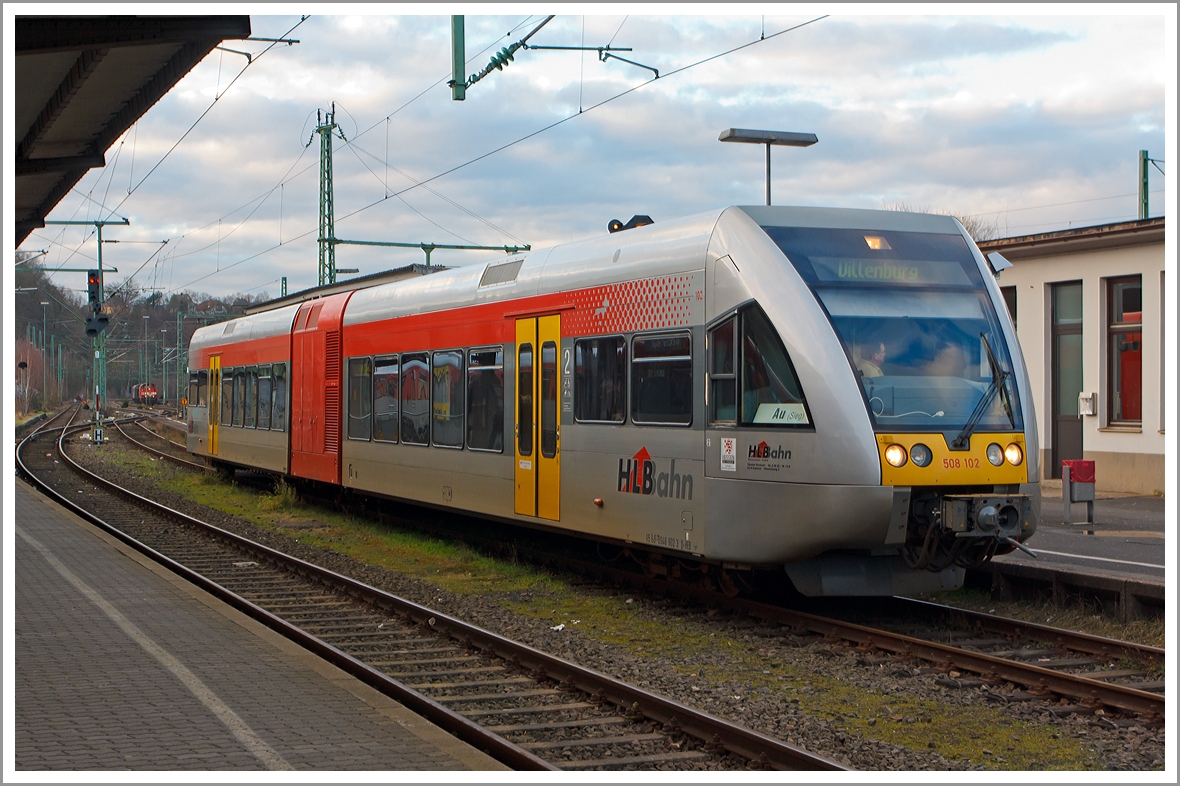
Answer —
768 138
44 359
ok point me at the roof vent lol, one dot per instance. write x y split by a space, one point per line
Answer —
616 225
502 273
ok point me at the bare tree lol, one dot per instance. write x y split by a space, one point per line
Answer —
978 228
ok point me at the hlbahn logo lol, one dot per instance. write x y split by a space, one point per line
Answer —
637 475
764 451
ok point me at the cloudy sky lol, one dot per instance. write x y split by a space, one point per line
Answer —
1033 122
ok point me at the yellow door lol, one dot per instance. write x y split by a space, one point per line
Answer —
213 411
538 422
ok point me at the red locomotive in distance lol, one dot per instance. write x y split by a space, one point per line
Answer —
144 393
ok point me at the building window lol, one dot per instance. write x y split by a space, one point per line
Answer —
1124 339
1009 294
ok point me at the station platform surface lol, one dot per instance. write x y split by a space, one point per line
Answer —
1125 539
121 665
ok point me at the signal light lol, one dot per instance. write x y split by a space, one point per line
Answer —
94 288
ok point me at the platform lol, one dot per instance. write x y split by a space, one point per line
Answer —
121 665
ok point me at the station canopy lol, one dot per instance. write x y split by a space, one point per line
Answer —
82 81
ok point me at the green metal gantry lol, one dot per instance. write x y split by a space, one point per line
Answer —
325 127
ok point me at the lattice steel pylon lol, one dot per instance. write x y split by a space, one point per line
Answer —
325 125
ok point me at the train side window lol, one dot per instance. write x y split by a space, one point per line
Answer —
549 399
722 375
202 397
264 397
415 400
600 380
385 387
251 397
192 388
524 395
771 394
448 397
278 392
360 395
485 399
227 396
239 395
661 380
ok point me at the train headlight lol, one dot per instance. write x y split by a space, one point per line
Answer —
895 455
995 454
1014 454
921 455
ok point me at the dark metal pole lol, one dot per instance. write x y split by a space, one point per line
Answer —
768 174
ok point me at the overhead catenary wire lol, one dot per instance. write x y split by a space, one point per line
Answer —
519 140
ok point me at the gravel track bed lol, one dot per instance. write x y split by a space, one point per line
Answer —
797 713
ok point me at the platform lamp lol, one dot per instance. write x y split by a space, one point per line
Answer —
768 138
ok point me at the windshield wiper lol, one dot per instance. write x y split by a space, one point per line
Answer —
999 385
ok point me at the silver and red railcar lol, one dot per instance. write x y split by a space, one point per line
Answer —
835 392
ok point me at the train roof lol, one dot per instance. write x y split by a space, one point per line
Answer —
264 325
651 250
662 248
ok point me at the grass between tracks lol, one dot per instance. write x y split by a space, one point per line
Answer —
712 664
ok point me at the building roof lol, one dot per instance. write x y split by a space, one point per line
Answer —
1072 241
82 81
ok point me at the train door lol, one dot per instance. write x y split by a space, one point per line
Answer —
214 410
538 438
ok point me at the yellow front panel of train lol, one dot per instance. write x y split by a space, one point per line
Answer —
952 467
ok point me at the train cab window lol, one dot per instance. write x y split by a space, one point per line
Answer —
549 399
722 373
264 397
251 397
661 380
385 386
227 396
360 398
485 399
415 399
771 395
524 395
600 380
448 397
278 393
239 396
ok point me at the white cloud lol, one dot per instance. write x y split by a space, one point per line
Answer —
971 114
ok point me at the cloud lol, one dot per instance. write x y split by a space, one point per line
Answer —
961 113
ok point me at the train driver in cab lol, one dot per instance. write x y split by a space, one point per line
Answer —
869 365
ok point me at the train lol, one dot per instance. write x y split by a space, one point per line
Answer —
834 393
144 393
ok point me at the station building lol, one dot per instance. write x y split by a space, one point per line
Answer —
1088 305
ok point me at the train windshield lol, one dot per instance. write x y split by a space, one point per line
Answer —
917 325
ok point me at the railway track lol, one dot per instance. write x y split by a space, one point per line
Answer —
168 450
1039 662
529 709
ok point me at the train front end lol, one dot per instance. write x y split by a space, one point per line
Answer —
928 381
